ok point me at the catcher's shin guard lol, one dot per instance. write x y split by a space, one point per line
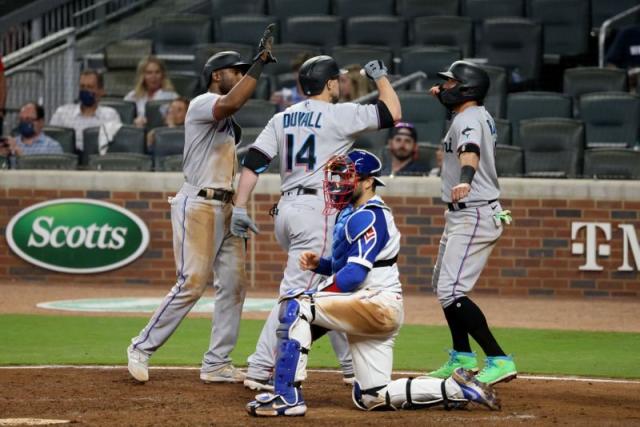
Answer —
419 393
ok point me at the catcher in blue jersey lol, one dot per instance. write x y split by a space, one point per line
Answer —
362 297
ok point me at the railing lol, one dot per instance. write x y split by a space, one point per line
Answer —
46 72
413 77
602 35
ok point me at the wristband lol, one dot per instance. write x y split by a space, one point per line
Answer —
466 174
256 69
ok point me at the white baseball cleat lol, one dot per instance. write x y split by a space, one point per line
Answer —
273 405
225 374
349 379
258 385
138 364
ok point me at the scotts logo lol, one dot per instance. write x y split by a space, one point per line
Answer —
77 235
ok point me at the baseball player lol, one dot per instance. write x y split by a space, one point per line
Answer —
305 136
200 215
362 297
473 221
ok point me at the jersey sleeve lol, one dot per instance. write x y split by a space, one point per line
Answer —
355 118
469 131
267 141
201 108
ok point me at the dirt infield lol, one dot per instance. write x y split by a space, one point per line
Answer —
177 397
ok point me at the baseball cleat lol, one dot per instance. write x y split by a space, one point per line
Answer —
225 374
349 379
457 359
258 385
138 364
498 369
474 390
273 405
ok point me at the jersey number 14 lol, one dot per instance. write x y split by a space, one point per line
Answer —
305 156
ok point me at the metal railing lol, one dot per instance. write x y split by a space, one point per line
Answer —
602 35
418 76
46 72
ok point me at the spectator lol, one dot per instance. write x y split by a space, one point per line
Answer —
291 94
352 84
88 112
152 84
403 147
174 118
624 52
3 94
30 139
439 158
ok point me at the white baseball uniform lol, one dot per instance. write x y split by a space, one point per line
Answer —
305 136
202 242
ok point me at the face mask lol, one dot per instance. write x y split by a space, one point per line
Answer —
87 98
26 129
449 97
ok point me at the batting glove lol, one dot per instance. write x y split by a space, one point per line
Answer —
241 223
265 45
375 69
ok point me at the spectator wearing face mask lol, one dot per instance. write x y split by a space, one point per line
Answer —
403 150
30 139
87 112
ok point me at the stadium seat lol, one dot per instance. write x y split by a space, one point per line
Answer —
126 109
185 84
120 162
220 8
4 164
601 10
427 157
285 80
372 141
155 112
264 87
286 8
129 139
287 54
47 161
126 54
178 34
351 8
496 100
503 129
430 59
65 136
426 113
244 29
170 163
454 31
610 118
612 163
532 105
410 9
119 82
390 31
582 80
255 113
481 10
323 31
509 161
358 54
565 27
168 142
516 45
553 147
249 136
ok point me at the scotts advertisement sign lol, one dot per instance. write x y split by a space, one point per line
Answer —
77 235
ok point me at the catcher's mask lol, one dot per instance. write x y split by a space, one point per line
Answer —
340 181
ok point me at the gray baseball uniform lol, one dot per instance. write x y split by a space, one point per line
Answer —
305 136
202 242
472 228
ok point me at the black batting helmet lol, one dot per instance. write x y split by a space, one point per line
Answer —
316 72
226 59
473 82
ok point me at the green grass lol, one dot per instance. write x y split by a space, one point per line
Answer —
33 340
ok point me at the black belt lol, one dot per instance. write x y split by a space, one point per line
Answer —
385 262
224 196
300 191
459 206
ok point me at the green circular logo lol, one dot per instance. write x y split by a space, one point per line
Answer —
77 235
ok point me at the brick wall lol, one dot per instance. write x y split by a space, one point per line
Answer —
533 257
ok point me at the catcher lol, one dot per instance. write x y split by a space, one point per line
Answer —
362 297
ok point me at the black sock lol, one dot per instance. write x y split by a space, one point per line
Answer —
459 335
475 322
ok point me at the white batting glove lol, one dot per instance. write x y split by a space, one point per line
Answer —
241 223
375 69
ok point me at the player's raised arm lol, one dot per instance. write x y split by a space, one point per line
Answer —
241 92
377 71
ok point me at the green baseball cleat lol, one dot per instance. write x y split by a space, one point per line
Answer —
457 359
498 369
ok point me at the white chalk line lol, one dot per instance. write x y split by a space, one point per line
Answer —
332 371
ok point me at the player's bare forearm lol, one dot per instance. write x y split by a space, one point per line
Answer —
389 96
248 181
228 104
469 159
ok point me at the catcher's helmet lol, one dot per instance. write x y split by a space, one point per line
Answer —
316 72
473 83
226 59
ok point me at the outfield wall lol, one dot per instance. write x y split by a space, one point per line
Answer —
568 238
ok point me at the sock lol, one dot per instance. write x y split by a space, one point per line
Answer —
475 322
459 335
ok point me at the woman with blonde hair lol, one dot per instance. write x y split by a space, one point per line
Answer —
152 84
353 85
